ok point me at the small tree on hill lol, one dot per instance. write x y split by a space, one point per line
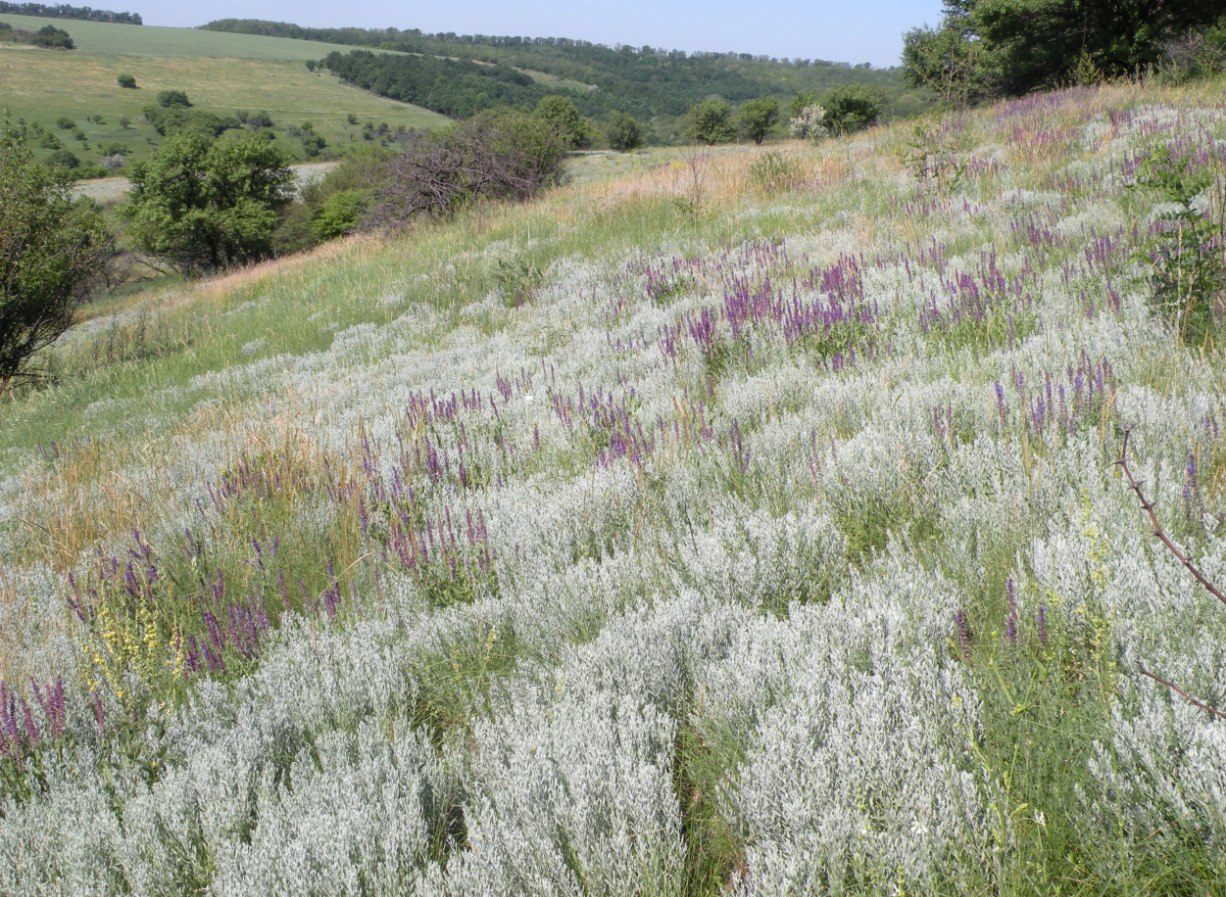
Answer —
758 117
562 113
128 81
711 122
53 248
624 132
204 204
852 107
52 38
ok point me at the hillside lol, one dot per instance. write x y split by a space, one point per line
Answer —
723 522
221 73
650 83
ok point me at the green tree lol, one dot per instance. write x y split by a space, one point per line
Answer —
624 132
758 117
204 204
53 38
168 98
562 114
52 249
711 122
128 81
851 107
1013 47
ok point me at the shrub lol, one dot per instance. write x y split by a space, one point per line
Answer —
506 156
168 98
711 122
52 38
53 247
811 123
128 81
757 117
1188 247
204 204
65 123
64 159
775 173
624 132
561 114
852 107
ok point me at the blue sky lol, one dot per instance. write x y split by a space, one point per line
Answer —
849 31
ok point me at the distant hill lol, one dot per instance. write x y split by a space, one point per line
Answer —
72 102
643 81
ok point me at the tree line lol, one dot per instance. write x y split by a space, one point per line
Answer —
64 11
984 49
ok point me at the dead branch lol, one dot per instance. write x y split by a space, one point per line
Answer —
1158 531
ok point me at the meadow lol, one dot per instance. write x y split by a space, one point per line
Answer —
742 521
220 73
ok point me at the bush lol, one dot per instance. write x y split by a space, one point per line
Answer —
1188 246
711 122
499 156
64 159
775 173
54 248
205 204
757 117
852 107
561 114
811 123
168 98
624 132
52 38
127 81
65 123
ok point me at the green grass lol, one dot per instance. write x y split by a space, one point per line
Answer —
221 73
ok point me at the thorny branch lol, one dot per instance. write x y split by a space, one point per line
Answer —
1158 531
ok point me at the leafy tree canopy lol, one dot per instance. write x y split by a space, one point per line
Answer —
204 204
758 117
711 122
52 250
1011 47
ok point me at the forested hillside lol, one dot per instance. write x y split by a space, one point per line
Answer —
642 81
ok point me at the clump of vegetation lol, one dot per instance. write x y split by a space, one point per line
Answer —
757 118
1188 245
508 156
775 173
204 204
126 81
623 132
53 249
852 107
336 205
711 122
561 114
984 48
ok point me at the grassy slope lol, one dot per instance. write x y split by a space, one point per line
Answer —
778 579
220 73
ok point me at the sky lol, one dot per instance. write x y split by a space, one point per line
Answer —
848 31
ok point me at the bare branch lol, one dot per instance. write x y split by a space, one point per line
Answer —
1158 531
1213 711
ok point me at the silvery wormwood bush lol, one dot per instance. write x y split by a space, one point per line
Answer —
859 778
358 813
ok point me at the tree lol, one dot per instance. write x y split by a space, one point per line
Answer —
52 251
624 132
758 117
562 114
53 38
711 122
128 81
204 204
1013 47
851 107
169 98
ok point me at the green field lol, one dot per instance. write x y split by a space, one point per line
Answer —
221 73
